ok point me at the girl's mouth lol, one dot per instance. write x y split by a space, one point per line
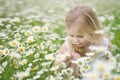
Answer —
77 44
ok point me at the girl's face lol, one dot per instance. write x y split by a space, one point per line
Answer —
77 38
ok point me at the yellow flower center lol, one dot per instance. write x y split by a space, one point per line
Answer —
36 29
14 43
1 52
27 33
106 76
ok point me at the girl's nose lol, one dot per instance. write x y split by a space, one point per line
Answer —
75 40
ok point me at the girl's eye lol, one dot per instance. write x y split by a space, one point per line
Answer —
71 35
80 36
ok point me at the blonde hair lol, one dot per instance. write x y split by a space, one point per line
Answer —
84 16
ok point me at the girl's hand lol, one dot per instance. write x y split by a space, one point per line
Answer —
72 56
68 57
75 55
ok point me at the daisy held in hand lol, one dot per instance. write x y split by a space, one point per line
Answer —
82 28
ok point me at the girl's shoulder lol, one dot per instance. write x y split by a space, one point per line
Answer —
105 42
63 48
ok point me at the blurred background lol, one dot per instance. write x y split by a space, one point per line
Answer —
19 16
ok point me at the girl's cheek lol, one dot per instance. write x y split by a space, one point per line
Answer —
71 40
82 40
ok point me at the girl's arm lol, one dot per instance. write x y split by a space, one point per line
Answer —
63 50
73 56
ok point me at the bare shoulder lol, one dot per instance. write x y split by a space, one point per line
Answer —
108 44
63 48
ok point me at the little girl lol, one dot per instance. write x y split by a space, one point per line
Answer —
81 25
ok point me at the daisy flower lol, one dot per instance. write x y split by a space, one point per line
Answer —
51 77
29 52
44 29
36 29
13 43
21 75
35 68
30 39
6 51
60 57
102 66
116 77
98 49
15 55
49 57
16 19
106 75
36 77
23 62
28 33
1 46
90 54
1 52
54 68
46 63
21 49
93 75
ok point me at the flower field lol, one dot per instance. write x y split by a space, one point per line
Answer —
32 31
